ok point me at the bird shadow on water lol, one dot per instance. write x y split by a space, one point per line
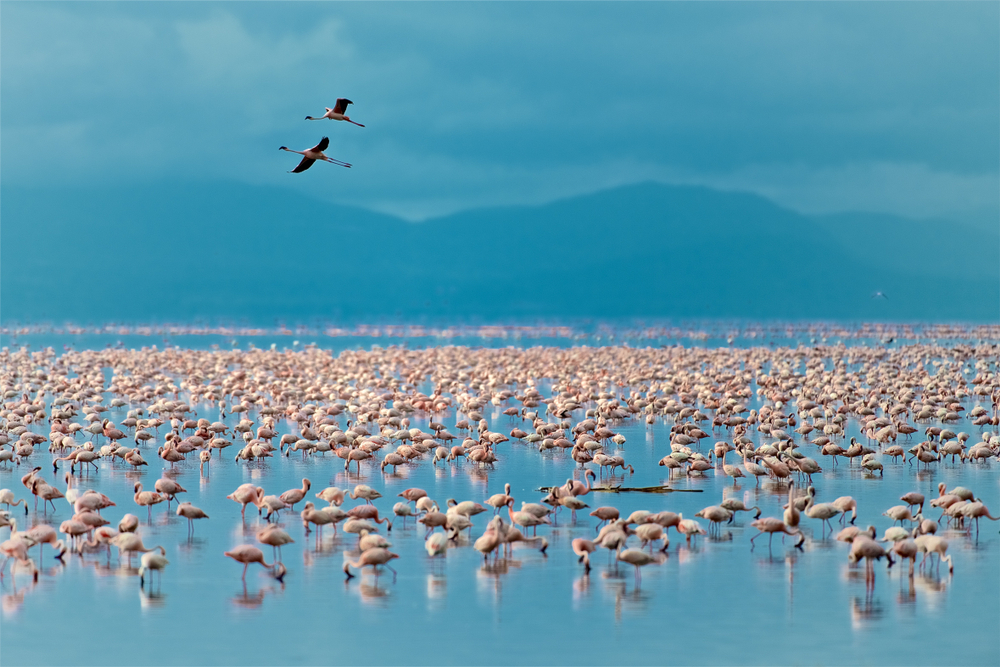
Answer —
906 598
150 600
437 589
192 544
865 611
11 601
490 576
722 536
635 600
370 591
247 600
783 558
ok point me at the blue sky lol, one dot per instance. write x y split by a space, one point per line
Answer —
891 107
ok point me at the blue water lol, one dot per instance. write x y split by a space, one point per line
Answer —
713 602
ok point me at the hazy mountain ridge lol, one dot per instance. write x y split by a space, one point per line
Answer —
236 251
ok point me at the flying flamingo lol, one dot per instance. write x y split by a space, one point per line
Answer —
312 154
337 112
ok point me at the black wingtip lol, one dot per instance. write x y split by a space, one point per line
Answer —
283 148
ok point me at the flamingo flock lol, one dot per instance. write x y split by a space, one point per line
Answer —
316 153
779 411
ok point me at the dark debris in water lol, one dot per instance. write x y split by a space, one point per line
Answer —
627 489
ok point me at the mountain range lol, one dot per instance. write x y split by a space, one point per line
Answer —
234 252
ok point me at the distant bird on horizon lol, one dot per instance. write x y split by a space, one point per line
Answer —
313 154
878 295
337 112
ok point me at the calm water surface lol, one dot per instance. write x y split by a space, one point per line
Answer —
713 602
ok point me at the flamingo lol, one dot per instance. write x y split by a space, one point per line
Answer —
576 488
822 511
152 561
337 112
771 526
436 545
433 519
403 510
310 155
525 519
368 512
413 495
913 498
638 558
869 550
333 495
41 489
320 518
130 543
373 558
276 538
605 514
169 489
190 512
488 542
147 499
499 500
293 496
583 548
7 498
246 554
976 510
573 504
365 492
18 550
246 494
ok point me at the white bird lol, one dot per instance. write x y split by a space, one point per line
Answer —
337 112
436 544
152 562
313 154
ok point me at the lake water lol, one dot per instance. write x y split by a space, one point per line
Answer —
714 602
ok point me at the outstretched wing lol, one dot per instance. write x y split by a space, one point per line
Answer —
305 164
323 144
341 105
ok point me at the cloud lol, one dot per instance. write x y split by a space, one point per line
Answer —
911 189
822 107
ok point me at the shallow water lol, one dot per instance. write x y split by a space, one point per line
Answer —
714 601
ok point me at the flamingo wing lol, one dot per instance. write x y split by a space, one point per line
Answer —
341 106
323 144
305 164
